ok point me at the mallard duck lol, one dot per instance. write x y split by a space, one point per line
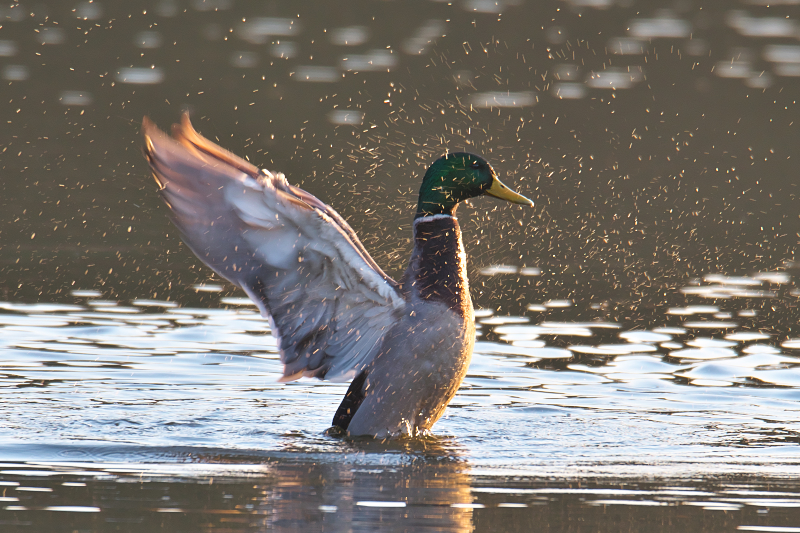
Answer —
337 316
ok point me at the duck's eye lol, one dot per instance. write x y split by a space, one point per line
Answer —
475 165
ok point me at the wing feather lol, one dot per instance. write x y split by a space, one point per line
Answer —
329 304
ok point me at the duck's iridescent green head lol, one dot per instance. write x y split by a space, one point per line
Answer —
457 177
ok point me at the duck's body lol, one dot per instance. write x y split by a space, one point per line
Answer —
425 355
335 313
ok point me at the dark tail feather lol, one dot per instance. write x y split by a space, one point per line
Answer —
352 401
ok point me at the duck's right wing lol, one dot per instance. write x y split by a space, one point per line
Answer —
295 257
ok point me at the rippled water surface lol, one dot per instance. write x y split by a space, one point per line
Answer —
102 397
703 391
636 366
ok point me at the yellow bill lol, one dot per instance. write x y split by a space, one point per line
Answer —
498 190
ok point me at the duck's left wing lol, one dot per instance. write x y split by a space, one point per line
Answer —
295 257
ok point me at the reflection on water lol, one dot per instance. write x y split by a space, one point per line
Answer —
140 75
702 386
267 493
500 99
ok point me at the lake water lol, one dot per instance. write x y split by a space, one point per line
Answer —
637 366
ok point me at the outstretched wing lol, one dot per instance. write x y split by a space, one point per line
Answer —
329 303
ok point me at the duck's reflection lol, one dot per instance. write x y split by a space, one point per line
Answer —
343 497
403 485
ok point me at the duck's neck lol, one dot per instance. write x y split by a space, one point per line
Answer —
438 268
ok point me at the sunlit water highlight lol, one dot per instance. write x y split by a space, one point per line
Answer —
155 415
545 397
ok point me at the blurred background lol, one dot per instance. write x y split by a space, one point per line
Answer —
656 137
